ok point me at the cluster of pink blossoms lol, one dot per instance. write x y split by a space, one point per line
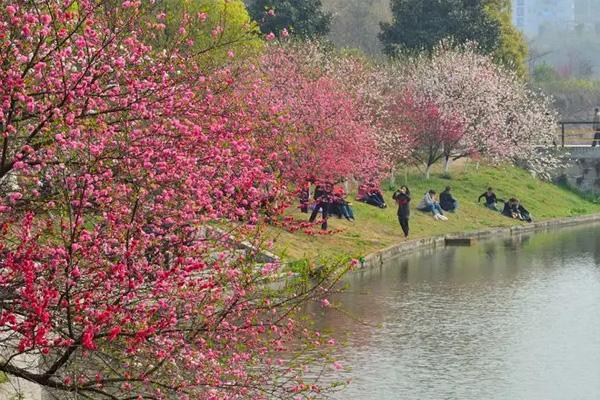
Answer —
120 165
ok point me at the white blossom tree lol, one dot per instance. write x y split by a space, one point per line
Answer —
502 118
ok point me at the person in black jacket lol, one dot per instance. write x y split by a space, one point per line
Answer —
509 208
514 209
490 199
402 198
447 201
324 198
304 196
523 213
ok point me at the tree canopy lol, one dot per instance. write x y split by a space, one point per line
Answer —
304 18
224 26
512 51
421 24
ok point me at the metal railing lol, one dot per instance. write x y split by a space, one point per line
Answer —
576 133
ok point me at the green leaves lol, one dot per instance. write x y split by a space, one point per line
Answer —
304 19
421 24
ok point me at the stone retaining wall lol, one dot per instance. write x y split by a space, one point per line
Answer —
379 258
582 171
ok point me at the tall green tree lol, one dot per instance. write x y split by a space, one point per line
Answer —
421 24
304 18
222 26
512 51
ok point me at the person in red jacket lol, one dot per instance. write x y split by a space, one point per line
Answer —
371 194
340 205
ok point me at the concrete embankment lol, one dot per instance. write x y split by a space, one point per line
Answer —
379 258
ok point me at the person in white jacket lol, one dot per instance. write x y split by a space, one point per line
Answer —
429 203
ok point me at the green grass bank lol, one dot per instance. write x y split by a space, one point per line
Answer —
376 229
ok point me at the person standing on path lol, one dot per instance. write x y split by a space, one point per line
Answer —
596 126
402 198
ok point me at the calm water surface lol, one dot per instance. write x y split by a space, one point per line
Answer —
511 319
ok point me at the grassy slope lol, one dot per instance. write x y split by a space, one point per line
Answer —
375 229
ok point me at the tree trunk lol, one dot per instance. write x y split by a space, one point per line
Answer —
446 165
428 172
353 183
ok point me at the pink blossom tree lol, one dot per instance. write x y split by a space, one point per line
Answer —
313 120
112 282
427 131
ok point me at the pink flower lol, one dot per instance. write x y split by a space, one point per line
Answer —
70 119
14 197
75 273
216 32
271 12
285 33
87 340
11 10
270 37
46 19
325 303
120 62
337 366
114 332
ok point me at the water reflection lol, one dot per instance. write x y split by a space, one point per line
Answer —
516 318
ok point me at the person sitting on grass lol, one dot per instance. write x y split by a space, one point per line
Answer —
340 206
371 194
429 204
514 209
523 212
490 199
447 201
508 210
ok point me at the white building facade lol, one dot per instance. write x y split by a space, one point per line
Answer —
532 16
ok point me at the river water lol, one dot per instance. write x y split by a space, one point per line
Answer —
515 318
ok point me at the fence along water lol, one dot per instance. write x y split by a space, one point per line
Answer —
575 134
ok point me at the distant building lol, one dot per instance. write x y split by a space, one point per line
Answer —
533 16
587 15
